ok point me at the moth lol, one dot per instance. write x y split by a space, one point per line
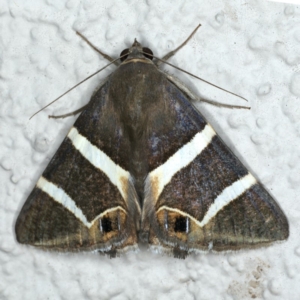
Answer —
142 165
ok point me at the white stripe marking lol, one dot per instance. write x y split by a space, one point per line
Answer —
187 221
162 175
60 196
101 228
228 195
166 220
101 161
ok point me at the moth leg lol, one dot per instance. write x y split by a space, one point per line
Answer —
112 253
106 56
73 113
170 54
194 98
180 253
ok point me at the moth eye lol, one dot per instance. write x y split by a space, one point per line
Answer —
181 224
125 52
105 224
148 53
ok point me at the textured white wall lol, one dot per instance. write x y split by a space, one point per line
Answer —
249 47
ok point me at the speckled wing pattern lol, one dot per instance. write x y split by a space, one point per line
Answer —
85 200
199 196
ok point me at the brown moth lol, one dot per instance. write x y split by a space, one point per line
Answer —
141 164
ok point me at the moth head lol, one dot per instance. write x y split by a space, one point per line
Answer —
136 51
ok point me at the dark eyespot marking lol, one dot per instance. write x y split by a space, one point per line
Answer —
124 52
148 53
180 224
106 224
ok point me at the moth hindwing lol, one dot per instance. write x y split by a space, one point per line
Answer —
142 164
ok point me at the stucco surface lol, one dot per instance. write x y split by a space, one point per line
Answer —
248 47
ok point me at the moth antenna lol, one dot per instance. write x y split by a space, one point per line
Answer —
197 77
215 103
76 85
96 49
170 54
